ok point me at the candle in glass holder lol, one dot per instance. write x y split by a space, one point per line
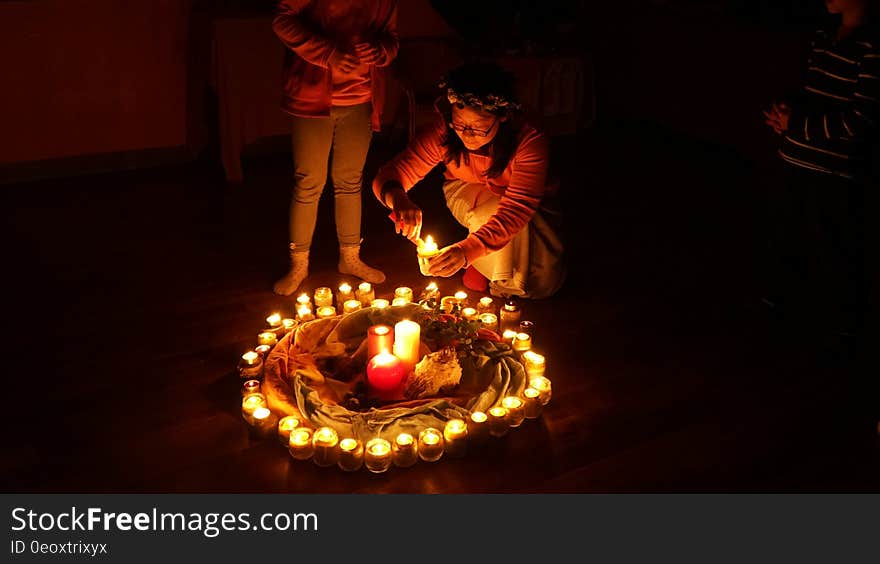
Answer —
498 425
534 363
303 300
304 313
489 321
380 338
274 320
407 343
267 338
469 313
461 297
250 365
377 455
430 445
379 303
509 336
386 374
286 425
250 403
323 297
325 440
351 306
261 421
399 302
326 311
486 305
478 427
365 293
532 403
425 250
250 387
404 293
510 315
522 342
405 451
432 291
542 384
526 326
262 350
300 445
288 324
455 437
344 294
515 410
351 455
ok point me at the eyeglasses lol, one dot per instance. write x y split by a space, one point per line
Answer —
474 131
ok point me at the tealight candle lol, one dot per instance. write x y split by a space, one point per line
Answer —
380 338
542 384
250 403
522 342
526 326
534 363
469 313
301 446
455 437
286 425
489 321
351 455
344 294
303 300
508 336
447 303
379 303
365 294
377 455
486 305
405 451
323 297
478 427
432 291
498 426
267 338
250 387
399 302
274 320
515 410
288 324
461 297
250 365
403 292
326 311
304 313
425 251
430 445
407 344
261 420
262 350
351 306
325 440
532 401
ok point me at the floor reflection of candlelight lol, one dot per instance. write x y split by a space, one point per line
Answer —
430 445
286 425
323 297
532 401
377 455
478 427
325 440
300 445
543 385
455 437
515 411
498 426
407 342
405 451
351 455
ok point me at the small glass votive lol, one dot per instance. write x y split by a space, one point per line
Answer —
515 410
267 338
510 314
432 291
486 305
469 313
261 421
251 386
405 452
304 313
323 297
526 326
534 363
303 300
498 425
380 303
325 440
489 321
251 365
286 425
274 321
301 446
377 455
509 336
344 294
543 386
404 292
351 455
478 427
365 293
455 434
430 445
532 407
251 403
461 297
399 302
351 306
288 324
325 312
263 350
522 342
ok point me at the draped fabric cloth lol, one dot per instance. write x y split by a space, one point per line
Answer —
297 382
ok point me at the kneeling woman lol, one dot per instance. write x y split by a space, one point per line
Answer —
496 185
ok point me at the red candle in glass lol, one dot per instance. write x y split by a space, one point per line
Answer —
385 374
380 338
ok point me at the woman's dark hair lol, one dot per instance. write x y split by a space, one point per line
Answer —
487 87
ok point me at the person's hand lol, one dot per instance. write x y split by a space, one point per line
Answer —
777 118
342 61
446 263
369 54
407 216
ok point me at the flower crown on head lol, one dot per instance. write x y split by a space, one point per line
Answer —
489 102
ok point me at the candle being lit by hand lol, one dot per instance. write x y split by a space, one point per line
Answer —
426 249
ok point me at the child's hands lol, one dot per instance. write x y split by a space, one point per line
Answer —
777 118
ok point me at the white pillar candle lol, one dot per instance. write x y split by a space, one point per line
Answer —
379 303
323 297
403 292
325 440
365 293
478 427
498 425
407 342
351 455
405 451
532 401
351 306
300 445
326 311
534 363
515 410
430 445
455 437
286 425
377 455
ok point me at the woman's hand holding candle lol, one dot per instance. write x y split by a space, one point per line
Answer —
447 262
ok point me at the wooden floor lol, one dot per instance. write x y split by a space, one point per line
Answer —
131 296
